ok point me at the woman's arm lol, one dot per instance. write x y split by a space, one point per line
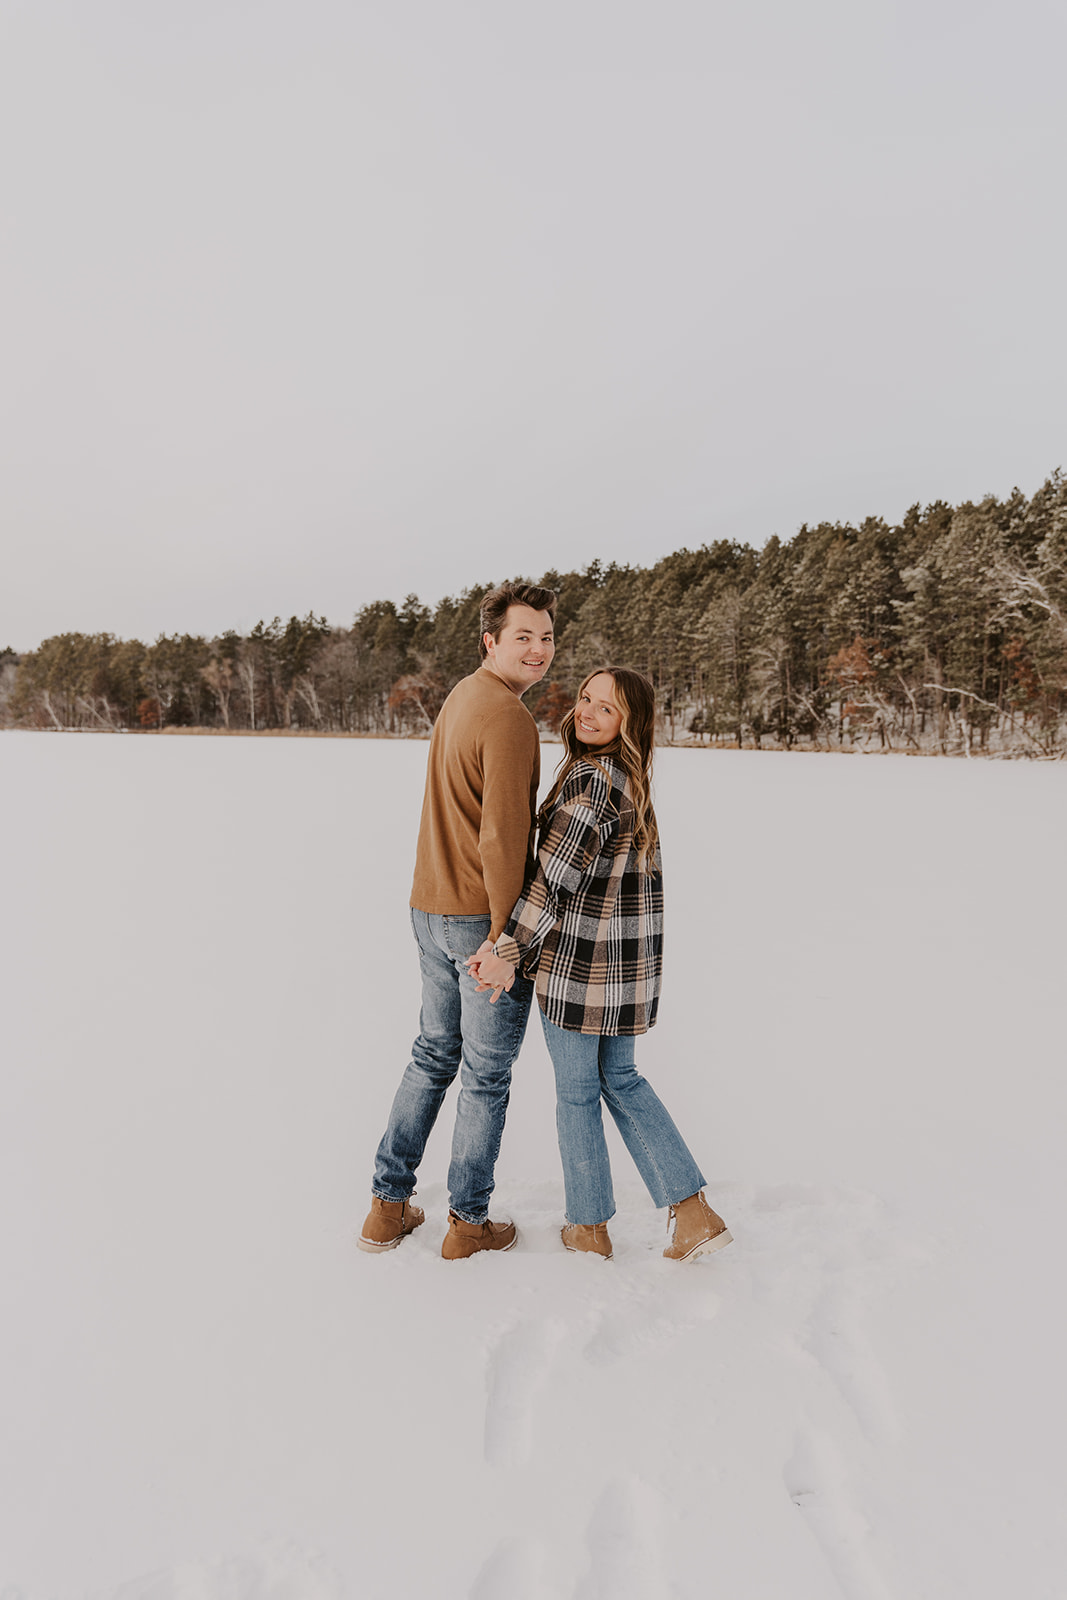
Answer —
582 821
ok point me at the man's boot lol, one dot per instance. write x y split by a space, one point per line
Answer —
389 1221
587 1237
697 1229
467 1238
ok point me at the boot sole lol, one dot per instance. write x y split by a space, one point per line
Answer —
706 1246
490 1251
375 1248
572 1250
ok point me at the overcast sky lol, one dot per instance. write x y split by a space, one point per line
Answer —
309 304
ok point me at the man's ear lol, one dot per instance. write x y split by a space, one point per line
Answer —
489 642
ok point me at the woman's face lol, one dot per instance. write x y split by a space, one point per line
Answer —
597 718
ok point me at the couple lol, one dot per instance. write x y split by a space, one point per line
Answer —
581 922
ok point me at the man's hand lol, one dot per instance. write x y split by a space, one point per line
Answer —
491 972
475 961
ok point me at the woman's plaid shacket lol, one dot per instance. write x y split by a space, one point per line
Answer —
589 924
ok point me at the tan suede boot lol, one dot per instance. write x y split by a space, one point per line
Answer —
467 1238
588 1237
697 1229
389 1221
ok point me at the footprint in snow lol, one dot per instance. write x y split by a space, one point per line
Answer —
284 1575
512 1572
846 1245
650 1317
624 1538
518 1368
817 1481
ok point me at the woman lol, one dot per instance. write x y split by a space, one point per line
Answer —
588 928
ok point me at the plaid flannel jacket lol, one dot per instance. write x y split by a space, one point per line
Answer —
589 923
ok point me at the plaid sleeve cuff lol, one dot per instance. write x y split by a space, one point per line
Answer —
507 950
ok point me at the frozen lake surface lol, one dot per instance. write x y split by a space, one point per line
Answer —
209 1394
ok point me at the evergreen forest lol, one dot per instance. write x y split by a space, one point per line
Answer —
943 634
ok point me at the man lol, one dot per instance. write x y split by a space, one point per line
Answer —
475 845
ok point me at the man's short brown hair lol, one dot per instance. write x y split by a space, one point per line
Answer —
495 607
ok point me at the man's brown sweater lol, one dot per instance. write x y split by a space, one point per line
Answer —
476 834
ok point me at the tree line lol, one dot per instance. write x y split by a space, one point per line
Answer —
945 633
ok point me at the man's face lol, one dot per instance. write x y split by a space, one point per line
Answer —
524 651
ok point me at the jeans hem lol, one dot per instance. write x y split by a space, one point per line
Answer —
702 1185
475 1222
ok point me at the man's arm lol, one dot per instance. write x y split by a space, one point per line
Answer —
510 759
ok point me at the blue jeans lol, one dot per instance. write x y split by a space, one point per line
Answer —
590 1067
457 1024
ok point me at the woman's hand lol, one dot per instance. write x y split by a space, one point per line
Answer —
491 972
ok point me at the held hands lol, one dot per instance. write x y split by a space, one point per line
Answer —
490 971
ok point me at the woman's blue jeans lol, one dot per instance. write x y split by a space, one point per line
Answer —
590 1067
457 1026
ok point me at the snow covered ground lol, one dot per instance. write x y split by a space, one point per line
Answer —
209 1394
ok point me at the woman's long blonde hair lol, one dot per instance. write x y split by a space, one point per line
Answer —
636 700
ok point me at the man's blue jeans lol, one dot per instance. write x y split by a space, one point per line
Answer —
592 1066
457 1025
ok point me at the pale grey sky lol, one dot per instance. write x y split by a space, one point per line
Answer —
312 304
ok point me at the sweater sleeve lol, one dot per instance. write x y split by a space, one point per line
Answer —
510 761
582 821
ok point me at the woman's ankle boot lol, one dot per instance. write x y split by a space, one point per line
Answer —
697 1229
589 1237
